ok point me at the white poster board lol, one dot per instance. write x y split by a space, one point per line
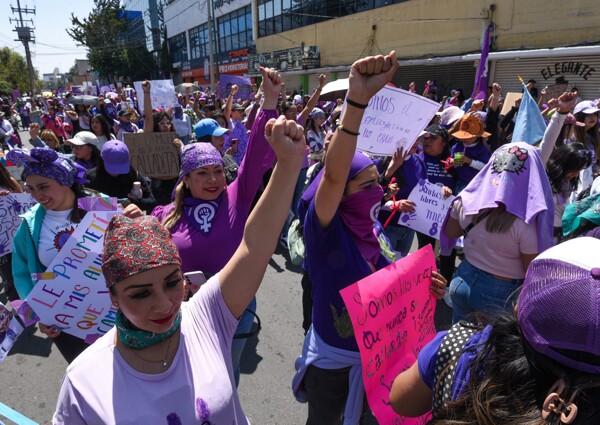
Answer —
394 119
10 329
162 94
11 206
430 209
72 293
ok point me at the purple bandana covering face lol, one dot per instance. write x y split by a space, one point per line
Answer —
514 176
195 156
200 213
45 162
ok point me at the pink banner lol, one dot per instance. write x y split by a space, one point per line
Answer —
392 315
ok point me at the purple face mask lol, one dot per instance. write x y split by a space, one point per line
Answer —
358 213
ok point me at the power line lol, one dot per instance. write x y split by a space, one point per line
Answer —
25 35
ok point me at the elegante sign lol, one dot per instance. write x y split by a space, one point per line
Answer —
295 59
568 67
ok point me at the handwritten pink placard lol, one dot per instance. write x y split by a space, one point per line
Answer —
392 314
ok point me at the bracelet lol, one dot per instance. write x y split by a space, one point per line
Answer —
345 130
356 104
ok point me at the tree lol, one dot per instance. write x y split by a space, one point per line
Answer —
13 71
110 52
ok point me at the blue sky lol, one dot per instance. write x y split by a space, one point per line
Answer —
54 47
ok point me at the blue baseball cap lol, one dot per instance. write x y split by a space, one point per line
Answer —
209 127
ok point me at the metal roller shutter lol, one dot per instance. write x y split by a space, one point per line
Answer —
546 70
459 75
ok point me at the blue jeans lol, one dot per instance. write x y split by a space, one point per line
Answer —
244 326
401 238
472 289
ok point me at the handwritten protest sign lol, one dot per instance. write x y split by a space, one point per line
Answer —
430 209
10 329
162 94
77 299
153 154
227 81
555 90
11 207
392 315
393 120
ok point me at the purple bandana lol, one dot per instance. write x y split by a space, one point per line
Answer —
197 155
200 213
45 162
514 176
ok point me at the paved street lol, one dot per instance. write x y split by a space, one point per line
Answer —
32 373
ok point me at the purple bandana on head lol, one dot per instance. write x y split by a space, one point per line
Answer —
200 213
514 176
195 156
45 162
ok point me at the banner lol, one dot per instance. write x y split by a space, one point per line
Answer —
10 329
430 209
394 119
162 94
72 292
11 206
392 315
243 83
529 125
153 154
294 59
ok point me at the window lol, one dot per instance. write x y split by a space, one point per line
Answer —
235 29
178 48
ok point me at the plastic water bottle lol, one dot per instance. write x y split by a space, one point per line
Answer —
136 191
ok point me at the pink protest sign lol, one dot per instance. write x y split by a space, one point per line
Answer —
392 315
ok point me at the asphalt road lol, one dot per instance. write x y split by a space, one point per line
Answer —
31 375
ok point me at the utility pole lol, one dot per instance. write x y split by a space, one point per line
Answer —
25 35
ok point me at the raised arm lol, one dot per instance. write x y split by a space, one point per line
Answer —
313 99
367 77
242 275
148 116
229 103
566 103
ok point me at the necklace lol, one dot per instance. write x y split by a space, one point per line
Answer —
164 361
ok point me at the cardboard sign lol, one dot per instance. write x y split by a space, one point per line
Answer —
153 154
430 209
227 81
554 91
394 119
162 94
509 102
76 298
11 206
392 315
10 329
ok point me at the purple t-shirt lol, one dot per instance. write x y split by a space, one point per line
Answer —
437 173
100 387
478 152
333 262
209 252
429 354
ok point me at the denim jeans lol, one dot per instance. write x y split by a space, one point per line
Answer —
244 326
473 289
401 238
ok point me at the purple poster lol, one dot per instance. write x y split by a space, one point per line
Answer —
227 81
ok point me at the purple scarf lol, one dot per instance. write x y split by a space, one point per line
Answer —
514 176
201 213
45 162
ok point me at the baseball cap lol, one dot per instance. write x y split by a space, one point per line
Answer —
209 127
587 107
559 304
123 112
471 125
237 107
115 156
107 101
298 99
437 130
84 138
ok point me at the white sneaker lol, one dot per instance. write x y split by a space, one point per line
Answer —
447 298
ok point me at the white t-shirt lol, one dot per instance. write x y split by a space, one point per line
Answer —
102 140
56 229
197 388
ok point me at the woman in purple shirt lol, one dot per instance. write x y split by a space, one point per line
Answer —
207 217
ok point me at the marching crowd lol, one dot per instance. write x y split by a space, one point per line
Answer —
524 346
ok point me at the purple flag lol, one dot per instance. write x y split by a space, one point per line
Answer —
481 79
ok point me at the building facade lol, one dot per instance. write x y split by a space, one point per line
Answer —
438 40
189 38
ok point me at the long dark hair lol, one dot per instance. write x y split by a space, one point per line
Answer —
104 124
587 137
158 117
509 382
5 180
566 159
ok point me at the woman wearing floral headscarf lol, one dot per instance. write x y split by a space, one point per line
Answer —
206 212
56 183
